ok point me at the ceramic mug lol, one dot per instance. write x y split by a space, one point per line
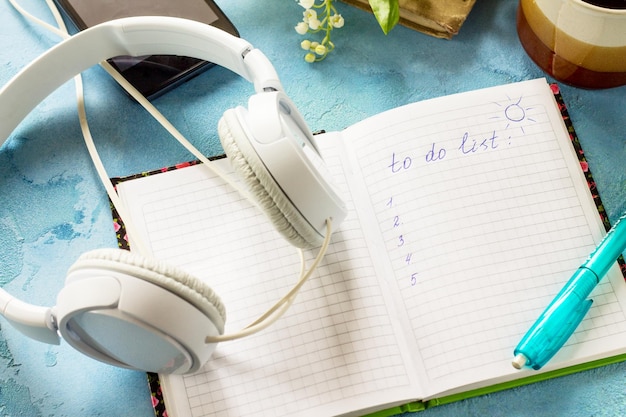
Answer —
578 42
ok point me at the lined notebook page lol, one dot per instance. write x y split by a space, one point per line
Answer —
485 215
333 351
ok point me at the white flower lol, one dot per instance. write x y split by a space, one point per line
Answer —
336 21
307 4
314 24
302 28
309 15
319 19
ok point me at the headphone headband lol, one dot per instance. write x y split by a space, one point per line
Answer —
110 308
134 36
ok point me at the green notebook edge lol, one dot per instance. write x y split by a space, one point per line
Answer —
423 405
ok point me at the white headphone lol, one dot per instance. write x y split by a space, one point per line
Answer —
111 305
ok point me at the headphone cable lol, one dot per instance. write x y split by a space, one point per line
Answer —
274 312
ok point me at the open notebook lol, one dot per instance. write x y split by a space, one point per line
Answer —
467 215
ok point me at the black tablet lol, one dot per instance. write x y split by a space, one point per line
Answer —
155 74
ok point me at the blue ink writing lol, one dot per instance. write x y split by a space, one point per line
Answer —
515 113
397 166
402 242
469 145
435 155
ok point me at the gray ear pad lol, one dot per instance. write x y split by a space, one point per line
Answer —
274 203
175 280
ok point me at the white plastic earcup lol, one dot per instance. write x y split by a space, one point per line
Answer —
124 309
278 208
173 279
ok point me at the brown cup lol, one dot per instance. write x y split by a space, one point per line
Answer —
578 42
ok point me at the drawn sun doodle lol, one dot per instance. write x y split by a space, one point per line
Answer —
515 114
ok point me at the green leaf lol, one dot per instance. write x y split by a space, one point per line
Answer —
387 12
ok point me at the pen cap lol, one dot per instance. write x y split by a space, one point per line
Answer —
558 321
548 342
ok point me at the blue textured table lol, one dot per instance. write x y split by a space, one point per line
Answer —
53 207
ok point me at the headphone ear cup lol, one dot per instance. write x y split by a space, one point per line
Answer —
275 204
126 310
175 280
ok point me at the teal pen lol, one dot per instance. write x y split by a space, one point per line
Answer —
559 320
